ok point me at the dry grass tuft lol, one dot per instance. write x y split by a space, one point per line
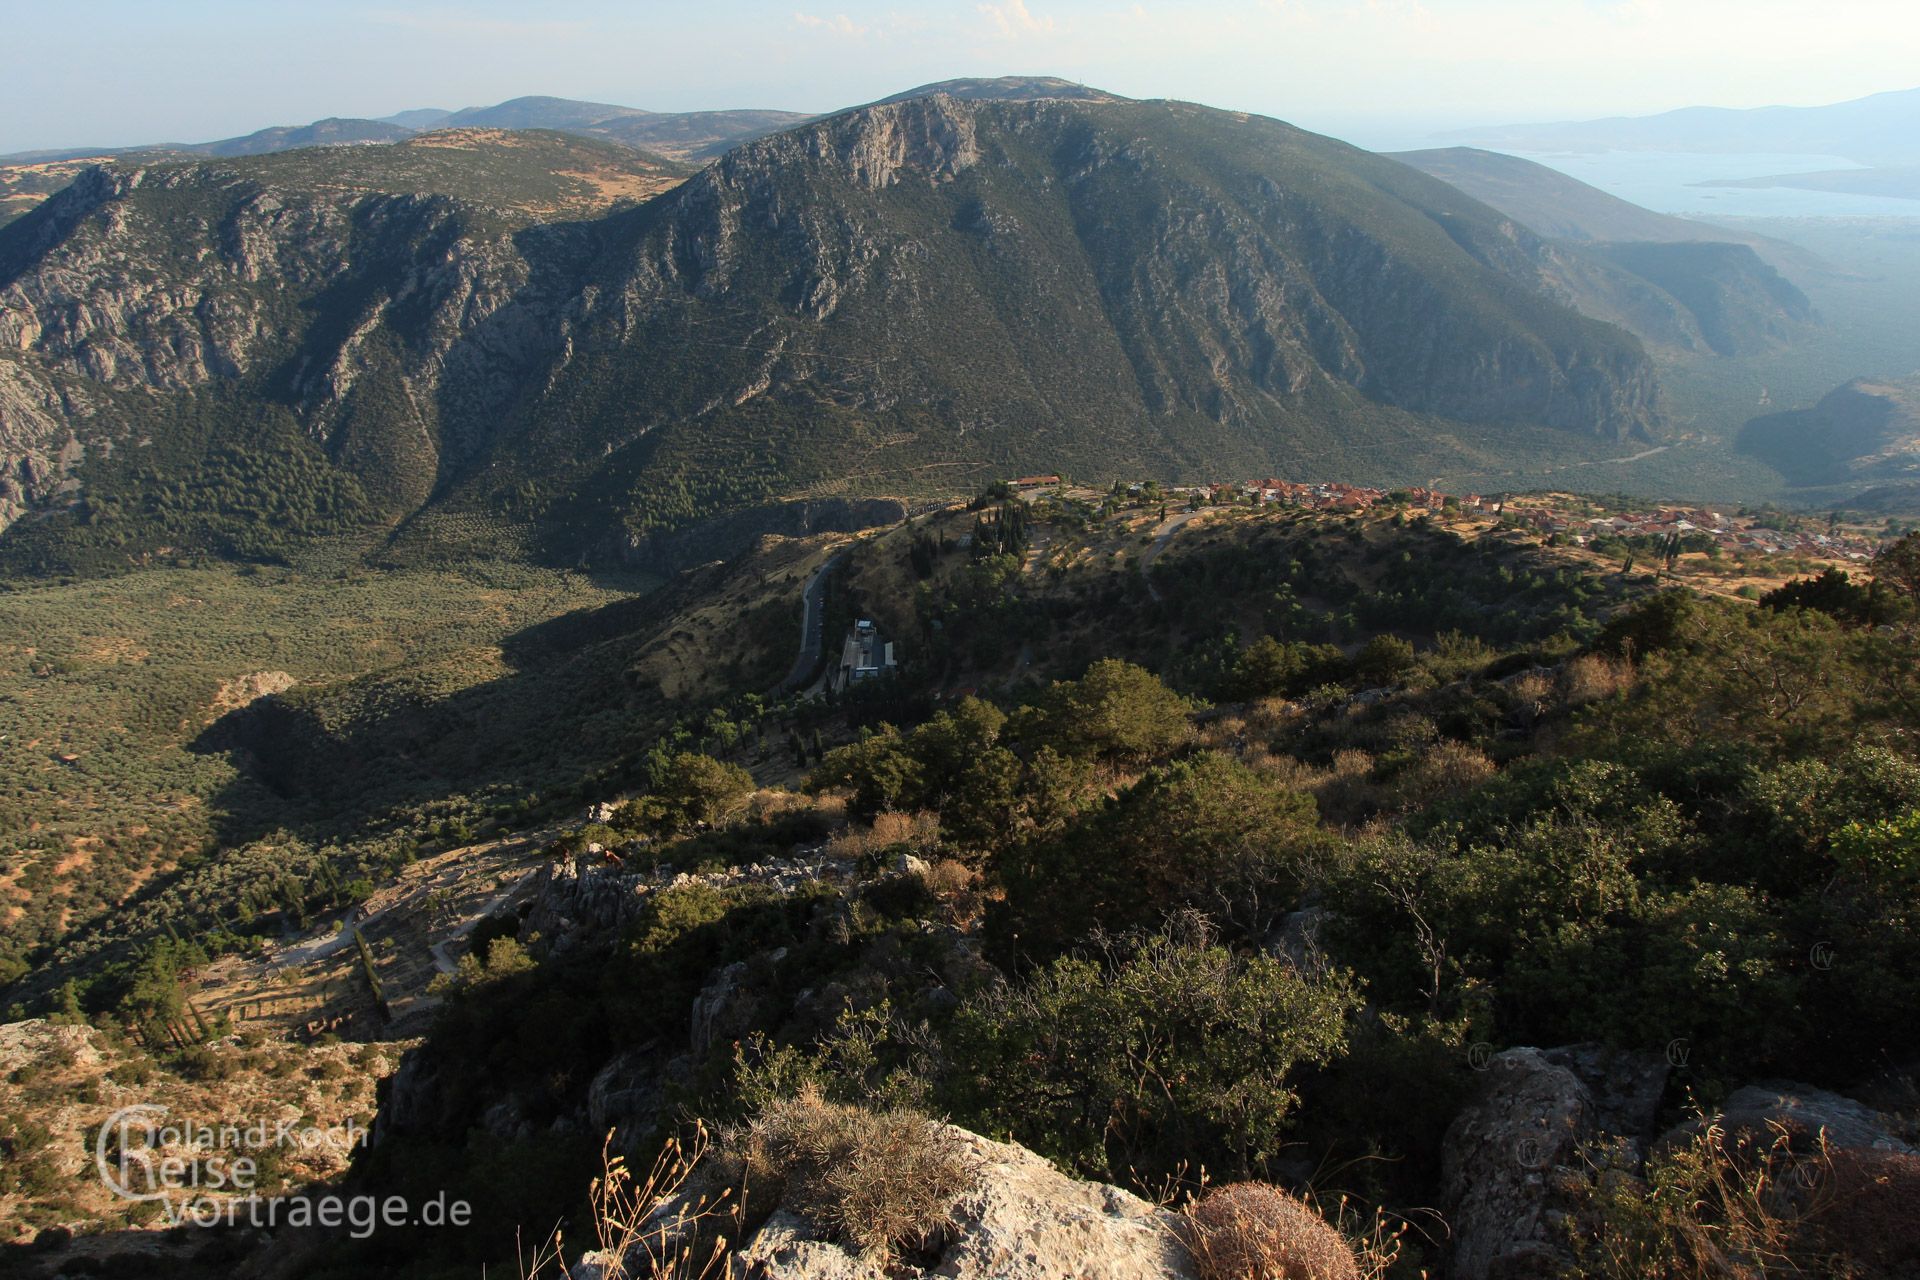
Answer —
765 805
1593 678
948 878
1448 768
881 1180
1778 1202
1254 1231
918 832
655 1226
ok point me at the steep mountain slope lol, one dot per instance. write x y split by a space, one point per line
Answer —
909 296
936 290
1555 205
1675 283
24 186
1737 304
219 323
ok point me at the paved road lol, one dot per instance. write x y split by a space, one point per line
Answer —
813 624
1161 537
1641 456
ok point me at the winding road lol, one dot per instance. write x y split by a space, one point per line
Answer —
813 624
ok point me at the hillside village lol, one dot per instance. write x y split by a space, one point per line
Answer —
1580 520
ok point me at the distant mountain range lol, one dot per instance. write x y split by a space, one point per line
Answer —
682 135
1876 130
1880 133
695 136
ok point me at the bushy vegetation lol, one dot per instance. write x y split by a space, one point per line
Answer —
1240 917
1058 1059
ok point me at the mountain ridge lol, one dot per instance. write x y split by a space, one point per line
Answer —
1678 284
682 135
934 291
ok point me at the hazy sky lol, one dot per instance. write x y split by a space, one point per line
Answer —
96 72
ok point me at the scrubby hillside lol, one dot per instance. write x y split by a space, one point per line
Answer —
1311 849
1299 935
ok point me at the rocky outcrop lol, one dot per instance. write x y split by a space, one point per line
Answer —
1514 1161
726 1007
1021 1220
628 1093
1805 1116
933 139
593 896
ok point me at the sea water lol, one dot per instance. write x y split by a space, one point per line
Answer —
1665 181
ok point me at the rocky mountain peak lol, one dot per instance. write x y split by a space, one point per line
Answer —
933 139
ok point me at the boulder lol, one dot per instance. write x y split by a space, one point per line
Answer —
731 1003
1020 1219
1803 1112
787 1247
1509 1167
1297 940
1025 1220
596 1265
507 1120
1626 1087
1515 1160
718 1007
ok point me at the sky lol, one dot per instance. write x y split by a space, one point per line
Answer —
77 73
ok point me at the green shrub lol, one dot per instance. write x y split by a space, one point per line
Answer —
1206 832
1116 711
1171 1052
690 790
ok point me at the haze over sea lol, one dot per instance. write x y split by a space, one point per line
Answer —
1667 182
